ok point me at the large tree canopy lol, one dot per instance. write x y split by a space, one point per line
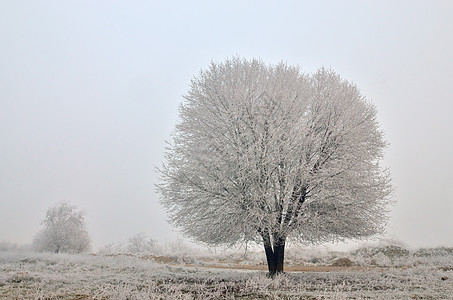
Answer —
265 152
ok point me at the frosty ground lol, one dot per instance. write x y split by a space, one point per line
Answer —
388 272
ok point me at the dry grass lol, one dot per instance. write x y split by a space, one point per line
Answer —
49 276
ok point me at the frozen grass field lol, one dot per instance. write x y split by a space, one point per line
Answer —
368 273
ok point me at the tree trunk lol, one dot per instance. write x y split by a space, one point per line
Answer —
271 266
279 256
275 255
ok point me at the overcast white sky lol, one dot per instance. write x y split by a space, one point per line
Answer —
89 91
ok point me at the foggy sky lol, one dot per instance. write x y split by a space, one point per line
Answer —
89 92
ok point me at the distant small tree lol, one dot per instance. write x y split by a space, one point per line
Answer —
139 243
64 230
8 246
266 153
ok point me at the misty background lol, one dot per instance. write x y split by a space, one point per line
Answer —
89 92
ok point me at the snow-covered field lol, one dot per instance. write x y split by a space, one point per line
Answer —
368 273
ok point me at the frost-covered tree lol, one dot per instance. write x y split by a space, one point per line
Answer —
266 153
64 230
140 243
